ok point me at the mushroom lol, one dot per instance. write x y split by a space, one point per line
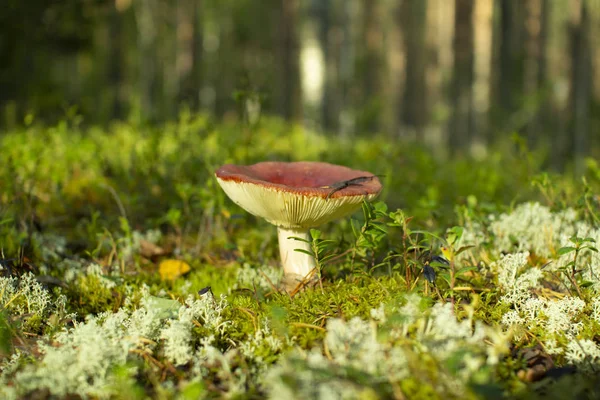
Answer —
297 196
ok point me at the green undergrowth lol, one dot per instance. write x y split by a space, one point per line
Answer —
468 278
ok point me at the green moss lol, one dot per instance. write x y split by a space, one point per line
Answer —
70 197
221 279
415 389
90 295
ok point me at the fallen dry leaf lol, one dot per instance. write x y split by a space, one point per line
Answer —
150 250
170 270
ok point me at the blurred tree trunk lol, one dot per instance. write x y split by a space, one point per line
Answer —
558 72
166 19
147 67
533 64
413 17
347 80
507 55
222 71
543 53
508 85
371 65
461 122
291 94
594 11
440 58
542 122
115 61
581 74
331 40
482 63
189 51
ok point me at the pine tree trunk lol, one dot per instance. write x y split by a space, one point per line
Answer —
371 65
413 17
580 83
531 79
115 63
509 71
329 44
482 49
543 122
189 37
148 70
290 95
461 124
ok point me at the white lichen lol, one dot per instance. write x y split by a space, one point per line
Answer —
355 362
531 227
24 296
585 354
262 278
81 360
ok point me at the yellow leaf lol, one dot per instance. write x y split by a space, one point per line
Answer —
447 252
170 270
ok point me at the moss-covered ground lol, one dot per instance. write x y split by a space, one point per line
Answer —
467 278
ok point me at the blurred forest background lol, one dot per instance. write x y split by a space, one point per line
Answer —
457 74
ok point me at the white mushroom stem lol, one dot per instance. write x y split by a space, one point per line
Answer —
296 265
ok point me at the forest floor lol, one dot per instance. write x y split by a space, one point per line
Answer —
126 272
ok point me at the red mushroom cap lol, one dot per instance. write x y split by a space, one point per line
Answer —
297 194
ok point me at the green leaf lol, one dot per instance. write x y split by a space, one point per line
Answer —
327 242
195 390
454 234
466 269
366 208
570 264
327 258
439 264
125 227
585 284
575 239
566 250
446 277
315 234
380 228
463 249
426 233
299 239
6 333
355 230
166 308
305 252
5 221
381 207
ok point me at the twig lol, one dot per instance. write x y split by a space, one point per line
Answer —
115 196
